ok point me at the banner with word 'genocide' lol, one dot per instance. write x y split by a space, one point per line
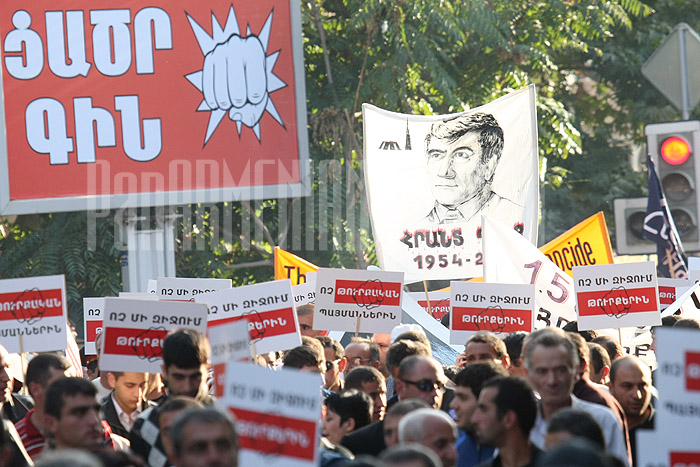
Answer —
498 308
277 414
617 295
355 300
150 102
268 308
431 178
33 314
134 331
585 244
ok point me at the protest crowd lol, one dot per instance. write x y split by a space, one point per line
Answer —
549 397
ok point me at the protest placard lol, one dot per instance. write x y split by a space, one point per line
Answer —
187 288
678 380
134 331
499 308
669 448
229 342
92 322
277 415
687 301
268 308
304 293
33 314
667 290
509 258
355 300
617 295
439 303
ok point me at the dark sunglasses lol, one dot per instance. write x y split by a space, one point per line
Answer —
426 385
331 363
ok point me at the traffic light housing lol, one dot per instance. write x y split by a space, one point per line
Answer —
629 226
675 149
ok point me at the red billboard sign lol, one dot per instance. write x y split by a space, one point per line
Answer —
135 103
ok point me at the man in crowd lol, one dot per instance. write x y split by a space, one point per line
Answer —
468 383
485 345
433 429
361 351
369 380
72 414
514 346
204 437
335 363
423 378
42 371
600 364
168 413
630 384
126 401
305 314
185 367
551 361
102 381
503 419
393 418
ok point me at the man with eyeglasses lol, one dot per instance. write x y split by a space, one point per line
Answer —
335 363
421 377
361 352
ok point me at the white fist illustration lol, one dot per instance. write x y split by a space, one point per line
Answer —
234 79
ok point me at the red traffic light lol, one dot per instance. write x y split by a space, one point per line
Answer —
675 150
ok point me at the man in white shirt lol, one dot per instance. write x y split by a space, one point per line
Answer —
551 361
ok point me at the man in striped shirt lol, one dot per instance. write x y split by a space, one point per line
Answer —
42 370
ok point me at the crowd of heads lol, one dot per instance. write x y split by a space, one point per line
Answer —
386 401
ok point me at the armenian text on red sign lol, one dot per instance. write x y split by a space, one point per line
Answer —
122 98
685 459
498 308
692 371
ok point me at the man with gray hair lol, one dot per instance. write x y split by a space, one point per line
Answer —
551 361
410 455
203 437
433 429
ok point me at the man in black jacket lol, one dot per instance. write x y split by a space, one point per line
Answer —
126 401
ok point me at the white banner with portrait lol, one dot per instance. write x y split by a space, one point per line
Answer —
431 178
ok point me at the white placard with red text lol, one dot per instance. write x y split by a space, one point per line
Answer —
509 258
186 288
616 295
344 296
229 342
439 303
678 380
134 331
277 414
499 308
33 314
304 293
670 448
267 307
667 290
92 322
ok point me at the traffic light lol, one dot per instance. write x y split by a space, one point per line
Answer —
629 226
674 147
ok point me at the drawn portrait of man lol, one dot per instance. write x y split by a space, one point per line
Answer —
462 154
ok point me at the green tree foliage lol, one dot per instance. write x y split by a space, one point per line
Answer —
421 57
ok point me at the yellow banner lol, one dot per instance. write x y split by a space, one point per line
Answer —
585 244
289 266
